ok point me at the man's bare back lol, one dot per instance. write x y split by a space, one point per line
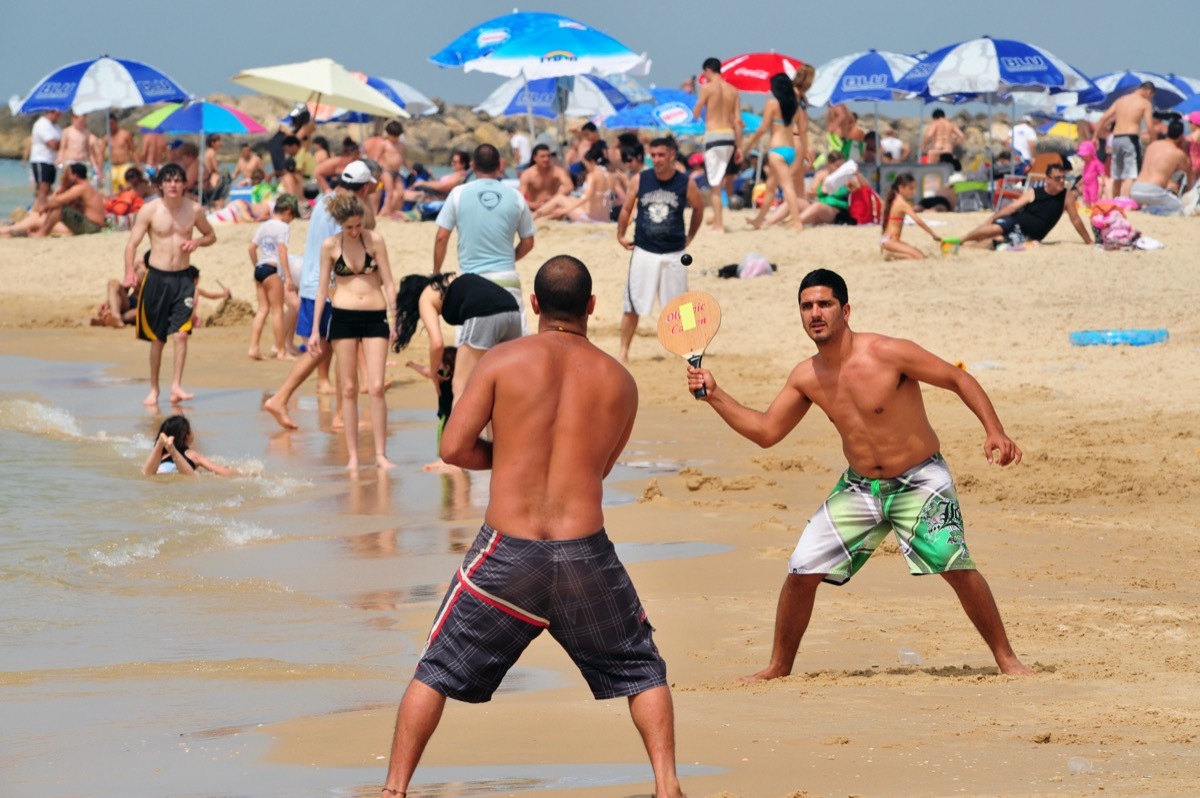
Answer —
941 137
719 102
1162 160
1129 114
561 411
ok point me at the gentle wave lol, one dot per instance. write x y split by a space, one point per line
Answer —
129 553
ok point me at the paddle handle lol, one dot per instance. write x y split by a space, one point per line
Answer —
694 362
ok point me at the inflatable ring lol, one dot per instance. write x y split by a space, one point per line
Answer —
1119 337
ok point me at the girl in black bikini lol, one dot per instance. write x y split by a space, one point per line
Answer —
364 297
172 452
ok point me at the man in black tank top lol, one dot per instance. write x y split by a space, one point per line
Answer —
1036 213
655 270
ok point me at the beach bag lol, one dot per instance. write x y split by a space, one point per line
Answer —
865 206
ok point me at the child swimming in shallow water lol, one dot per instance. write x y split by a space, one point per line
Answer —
172 452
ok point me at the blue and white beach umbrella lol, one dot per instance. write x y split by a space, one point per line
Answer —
1189 105
991 66
538 45
861 76
399 92
670 109
1190 86
577 96
1117 84
101 84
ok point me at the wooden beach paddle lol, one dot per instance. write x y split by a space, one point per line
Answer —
686 325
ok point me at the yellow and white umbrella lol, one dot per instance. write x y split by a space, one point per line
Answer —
322 81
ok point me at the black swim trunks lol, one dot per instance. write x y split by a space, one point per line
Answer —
357 324
264 270
165 304
509 589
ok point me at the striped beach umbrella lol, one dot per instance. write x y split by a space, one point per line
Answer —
101 84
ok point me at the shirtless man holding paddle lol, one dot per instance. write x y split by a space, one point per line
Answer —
561 411
870 388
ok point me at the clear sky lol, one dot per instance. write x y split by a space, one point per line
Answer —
202 44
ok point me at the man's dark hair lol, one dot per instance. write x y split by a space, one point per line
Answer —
826 279
628 139
1146 84
1174 129
349 145
633 152
79 170
589 127
291 141
1054 167
487 159
394 128
938 113
563 287
712 64
169 170
211 138
133 176
539 148
665 141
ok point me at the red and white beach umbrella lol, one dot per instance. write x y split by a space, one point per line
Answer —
752 71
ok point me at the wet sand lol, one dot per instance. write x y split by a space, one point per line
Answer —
1089 545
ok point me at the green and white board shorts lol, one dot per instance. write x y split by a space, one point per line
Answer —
920 506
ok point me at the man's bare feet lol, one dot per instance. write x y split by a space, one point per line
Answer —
325 386
179 395
254 354
151 399
796 227
767 673
383 462
280 414
756 223
352 465
440 466
337 423
1016 668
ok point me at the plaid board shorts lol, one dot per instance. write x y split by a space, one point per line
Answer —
509 589
920 506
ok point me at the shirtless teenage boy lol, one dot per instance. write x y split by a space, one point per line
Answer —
390 155
869 386
78 144
1125 120
941 136
167 292
561 411
248 160
719 103
542 181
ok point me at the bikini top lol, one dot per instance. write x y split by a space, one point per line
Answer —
342 270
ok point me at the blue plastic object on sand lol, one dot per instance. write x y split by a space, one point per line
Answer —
1115 337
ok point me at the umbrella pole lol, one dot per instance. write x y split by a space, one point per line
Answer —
991 146
528 109
108 136
920 128
878 167
200 178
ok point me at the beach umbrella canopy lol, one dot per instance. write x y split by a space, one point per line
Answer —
1190 86
101 84
988 66
670 109
1190 105
752 71
320 80
1059 127
1115 85
580 95
538 45
200 117
871 75
399 92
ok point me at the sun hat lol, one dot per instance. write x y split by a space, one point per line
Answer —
1194 118
1086 149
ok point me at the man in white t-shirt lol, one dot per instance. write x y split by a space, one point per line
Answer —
893 148
1023 138
522 149
488 216
43 153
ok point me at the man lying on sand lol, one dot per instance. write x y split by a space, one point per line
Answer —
1036 212
869 386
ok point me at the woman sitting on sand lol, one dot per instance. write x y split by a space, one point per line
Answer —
598 196
898 205
172 452
488 313
357 260
779 116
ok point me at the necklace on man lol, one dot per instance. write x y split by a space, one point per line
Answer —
565 330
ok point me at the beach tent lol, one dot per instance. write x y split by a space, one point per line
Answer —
100 84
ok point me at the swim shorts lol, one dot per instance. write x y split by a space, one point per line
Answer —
345 323
77 223
718 151
264 270
43 172
164 304
484 332
509 589
1156 199
920 506
1126 157
304 318
652 274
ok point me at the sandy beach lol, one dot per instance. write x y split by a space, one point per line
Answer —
1088 545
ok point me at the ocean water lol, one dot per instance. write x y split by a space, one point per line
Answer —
149 626
16 187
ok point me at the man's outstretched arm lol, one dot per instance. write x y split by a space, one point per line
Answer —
461 444
764 428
